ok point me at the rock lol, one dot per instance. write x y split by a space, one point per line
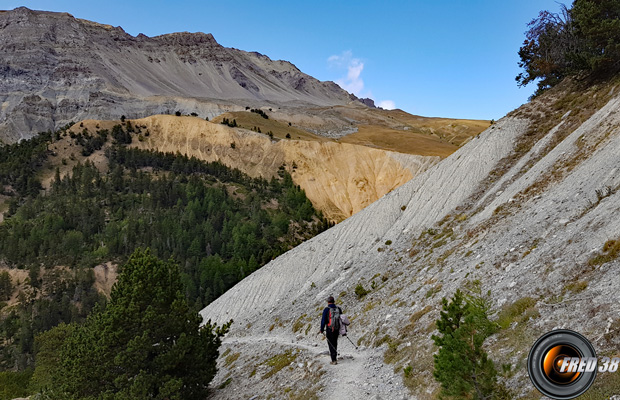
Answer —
80 74
368 102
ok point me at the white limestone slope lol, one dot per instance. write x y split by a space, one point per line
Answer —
521 225
329 258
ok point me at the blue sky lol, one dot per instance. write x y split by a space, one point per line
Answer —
441 58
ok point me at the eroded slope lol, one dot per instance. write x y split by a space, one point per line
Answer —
340 179
520 211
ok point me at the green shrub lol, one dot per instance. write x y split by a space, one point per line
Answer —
462 366
360 292
518 311
279 362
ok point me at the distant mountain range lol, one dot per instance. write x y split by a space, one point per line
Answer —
55 68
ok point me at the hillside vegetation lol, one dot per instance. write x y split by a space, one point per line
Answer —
218 223
339 178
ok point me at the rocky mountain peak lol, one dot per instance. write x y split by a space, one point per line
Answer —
55 68
186 39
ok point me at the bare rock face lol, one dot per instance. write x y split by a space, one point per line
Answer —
55 68
368 102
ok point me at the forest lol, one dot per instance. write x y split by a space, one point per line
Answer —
217 223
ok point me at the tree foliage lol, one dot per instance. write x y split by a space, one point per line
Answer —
462 366
584 38
146 344
218 223
6 286
547 49
19 164
598 23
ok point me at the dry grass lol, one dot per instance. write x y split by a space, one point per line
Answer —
454 131
393 130
279 362
231 358
520 311
249 120
400 141
610 251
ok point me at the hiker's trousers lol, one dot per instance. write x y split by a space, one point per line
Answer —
332 343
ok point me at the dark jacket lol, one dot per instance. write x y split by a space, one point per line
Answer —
325 318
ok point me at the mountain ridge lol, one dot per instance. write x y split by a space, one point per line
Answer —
81 69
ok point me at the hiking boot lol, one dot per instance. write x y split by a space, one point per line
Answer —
334 362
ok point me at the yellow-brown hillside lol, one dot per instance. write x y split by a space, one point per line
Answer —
339 178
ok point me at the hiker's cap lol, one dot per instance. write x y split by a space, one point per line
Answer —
330 299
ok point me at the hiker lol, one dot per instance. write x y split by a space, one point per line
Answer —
330 323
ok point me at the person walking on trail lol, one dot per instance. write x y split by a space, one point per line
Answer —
330 324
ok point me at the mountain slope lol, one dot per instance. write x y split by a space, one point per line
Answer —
56 68
339 178
520 211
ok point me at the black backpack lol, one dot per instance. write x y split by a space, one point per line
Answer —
333 321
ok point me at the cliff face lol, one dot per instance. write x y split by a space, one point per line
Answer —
519 212
340 179
55 68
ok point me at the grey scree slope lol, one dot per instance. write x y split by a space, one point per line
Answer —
330 258
539 248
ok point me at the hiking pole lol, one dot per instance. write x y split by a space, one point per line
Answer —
356 348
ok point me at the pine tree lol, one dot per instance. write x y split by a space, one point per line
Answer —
598 22
462 366
6 287
147 343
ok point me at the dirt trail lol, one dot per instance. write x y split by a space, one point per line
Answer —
360 373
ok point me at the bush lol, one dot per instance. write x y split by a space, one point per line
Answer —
14 384
360 292
6 287
462 366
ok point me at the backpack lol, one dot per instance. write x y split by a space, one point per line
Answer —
333 322
344 322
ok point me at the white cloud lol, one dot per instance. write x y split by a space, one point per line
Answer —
353 82
387 104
